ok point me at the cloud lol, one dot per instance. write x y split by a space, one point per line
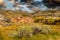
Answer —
10 5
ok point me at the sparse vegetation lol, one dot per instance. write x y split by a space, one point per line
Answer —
26 26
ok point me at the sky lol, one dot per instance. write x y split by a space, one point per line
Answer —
9 5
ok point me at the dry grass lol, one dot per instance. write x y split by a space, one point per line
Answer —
28 30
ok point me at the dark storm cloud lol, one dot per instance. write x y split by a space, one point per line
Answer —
51 3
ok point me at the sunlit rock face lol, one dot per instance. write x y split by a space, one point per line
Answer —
1 1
